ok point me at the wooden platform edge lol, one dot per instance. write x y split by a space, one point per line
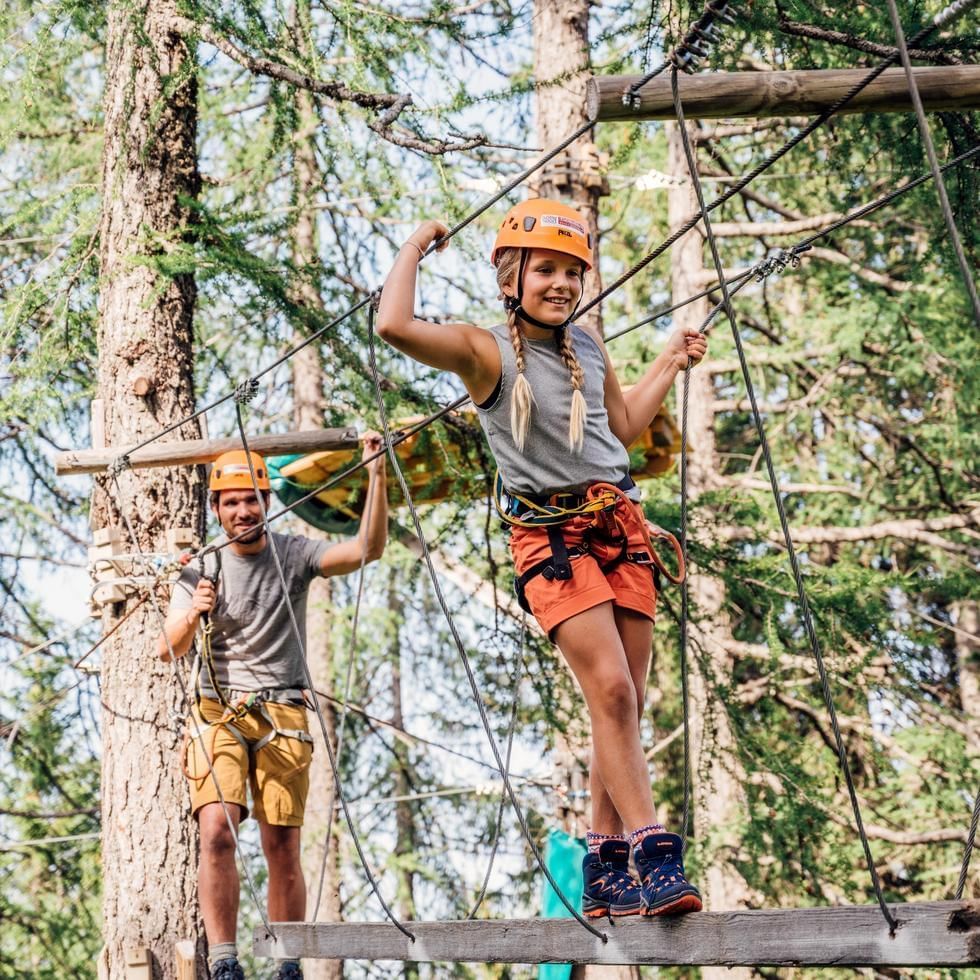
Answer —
929 934
188 452
732 95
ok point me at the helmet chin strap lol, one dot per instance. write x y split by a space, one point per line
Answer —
513 303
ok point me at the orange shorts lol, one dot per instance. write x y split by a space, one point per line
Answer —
624 583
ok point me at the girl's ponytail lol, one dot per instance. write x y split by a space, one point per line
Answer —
576 418
521 397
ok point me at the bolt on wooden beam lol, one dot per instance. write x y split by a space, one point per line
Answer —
761 94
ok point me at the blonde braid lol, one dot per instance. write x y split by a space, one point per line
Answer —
576 418
521 398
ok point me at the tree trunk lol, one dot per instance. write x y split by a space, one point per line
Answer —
716 773
309 406
405 837
149 842
561 51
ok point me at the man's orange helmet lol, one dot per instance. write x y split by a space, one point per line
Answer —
540 223
230 472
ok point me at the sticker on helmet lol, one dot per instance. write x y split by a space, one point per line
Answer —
560 221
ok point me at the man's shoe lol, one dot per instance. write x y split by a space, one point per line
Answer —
665 890
608 887
289 971
229 969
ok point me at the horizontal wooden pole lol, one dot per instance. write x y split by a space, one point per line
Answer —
730 95
191 451
929 934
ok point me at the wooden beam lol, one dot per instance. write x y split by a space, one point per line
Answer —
730 95
929 934
191 451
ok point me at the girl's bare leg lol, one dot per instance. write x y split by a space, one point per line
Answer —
609 653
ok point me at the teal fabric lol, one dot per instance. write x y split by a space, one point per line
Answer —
563 858
312 511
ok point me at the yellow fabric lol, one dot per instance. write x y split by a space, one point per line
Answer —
278 774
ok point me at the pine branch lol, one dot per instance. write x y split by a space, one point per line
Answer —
393 105
735 229
923 531
815 33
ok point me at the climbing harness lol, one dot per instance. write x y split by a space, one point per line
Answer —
235 708
606 537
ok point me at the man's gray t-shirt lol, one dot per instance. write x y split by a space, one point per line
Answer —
253 642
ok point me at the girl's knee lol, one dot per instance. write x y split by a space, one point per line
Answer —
615 696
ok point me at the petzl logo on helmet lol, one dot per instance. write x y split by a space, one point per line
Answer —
561 222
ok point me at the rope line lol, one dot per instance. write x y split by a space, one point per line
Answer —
954 10
114 471
298 636
460 648
498 825
920 117
366 520
775 263
783 520
968 851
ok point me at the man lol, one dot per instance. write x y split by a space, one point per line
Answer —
249 725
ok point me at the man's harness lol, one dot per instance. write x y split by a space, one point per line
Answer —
605 538
237 708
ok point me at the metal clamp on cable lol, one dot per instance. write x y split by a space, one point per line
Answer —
245 391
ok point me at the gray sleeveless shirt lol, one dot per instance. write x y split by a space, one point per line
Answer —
547 465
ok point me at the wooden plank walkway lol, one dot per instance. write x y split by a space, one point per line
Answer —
930 934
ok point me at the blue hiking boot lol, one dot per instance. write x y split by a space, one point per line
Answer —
665 890
608 887
289 971
229 969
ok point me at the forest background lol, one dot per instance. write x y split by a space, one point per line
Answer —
189 188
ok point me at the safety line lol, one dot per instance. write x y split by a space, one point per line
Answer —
920 116
114 470
776 262
970 841
464 658
498 824
243 395
780 509
952 11
351 653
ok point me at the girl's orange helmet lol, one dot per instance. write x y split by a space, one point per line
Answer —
230 472
540 223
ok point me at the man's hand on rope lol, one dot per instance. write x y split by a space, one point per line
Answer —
203 599
686 346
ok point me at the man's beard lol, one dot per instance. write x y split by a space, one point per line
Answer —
253 534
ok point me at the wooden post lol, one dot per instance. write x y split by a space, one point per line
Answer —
192 451
185 951
138 964
730 95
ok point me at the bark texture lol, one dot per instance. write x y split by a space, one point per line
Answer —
149 843
562 69
717 778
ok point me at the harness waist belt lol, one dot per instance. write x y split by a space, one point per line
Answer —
515 505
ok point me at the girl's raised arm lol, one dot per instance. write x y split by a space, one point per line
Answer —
462 348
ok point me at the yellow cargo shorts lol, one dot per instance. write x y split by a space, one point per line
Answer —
278 771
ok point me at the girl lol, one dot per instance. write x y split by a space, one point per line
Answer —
558 425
